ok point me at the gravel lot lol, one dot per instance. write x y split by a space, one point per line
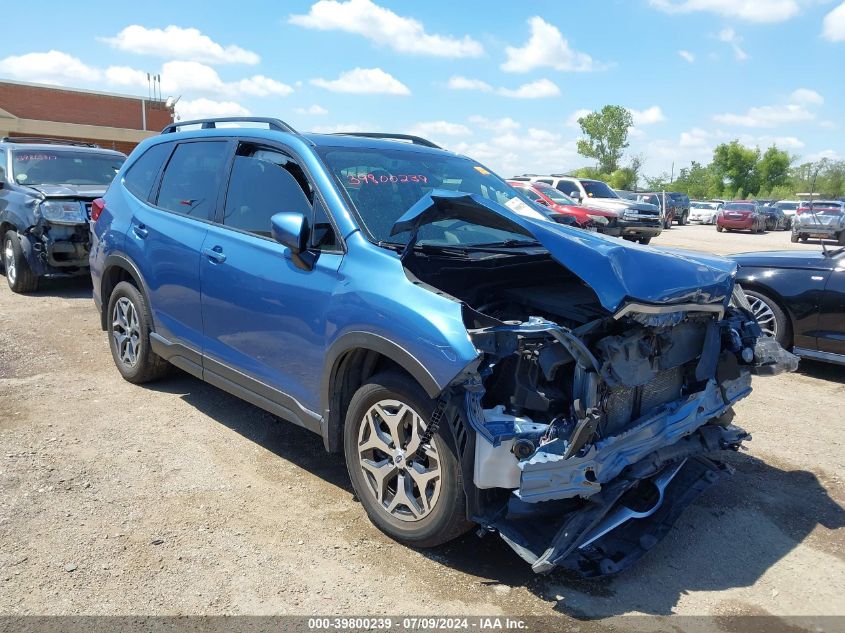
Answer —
177 498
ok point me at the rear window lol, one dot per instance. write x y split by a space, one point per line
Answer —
739 207
142 174
191 180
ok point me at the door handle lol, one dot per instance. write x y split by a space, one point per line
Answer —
215 254
141 231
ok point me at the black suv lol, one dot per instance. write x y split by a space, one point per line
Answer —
46 190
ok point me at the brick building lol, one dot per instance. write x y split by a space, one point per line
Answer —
109 120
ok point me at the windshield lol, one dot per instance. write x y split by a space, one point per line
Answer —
553 194
739 207
597 189
384 183
62 167
704 205
787 206
650 198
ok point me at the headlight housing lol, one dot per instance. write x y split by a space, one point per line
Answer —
62 211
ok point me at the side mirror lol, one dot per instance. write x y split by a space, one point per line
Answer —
575 196
291 230
541 201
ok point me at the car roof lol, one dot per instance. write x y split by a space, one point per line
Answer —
315 140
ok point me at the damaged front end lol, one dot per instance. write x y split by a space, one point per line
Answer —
592 427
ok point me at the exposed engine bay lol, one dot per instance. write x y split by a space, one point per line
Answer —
592 430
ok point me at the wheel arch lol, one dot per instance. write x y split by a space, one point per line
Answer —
350 361
116 269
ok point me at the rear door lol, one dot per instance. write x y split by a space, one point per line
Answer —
165 237
265 318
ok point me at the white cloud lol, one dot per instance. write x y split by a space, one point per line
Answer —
179 77
364 81
126 76
535 90
463 83
833 27
750 10
572 121
52 67
314 110
176 42
342 128
498 126
767 116
806 96
729 36
695 138
687 56
649 116
829 154
439 128
206 108
384 27
547 48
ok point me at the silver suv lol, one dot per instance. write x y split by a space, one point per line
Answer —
635 221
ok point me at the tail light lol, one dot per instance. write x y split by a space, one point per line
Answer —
97 207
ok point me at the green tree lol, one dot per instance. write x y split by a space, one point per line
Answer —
773 168
606 134
736 165
698 181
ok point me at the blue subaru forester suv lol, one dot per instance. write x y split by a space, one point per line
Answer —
474 362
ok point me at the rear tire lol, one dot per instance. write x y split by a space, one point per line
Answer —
129 323
719 228
793 238
19 275
380 439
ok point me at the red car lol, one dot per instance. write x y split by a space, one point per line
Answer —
557 202
741 215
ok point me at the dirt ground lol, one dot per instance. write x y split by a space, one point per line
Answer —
176 498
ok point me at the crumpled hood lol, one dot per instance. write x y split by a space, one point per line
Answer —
70 191
616 270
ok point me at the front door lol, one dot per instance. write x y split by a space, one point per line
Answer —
264 317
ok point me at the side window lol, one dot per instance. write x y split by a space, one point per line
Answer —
263 183
2 165
529 193
323 236
141 176
568 187
192 179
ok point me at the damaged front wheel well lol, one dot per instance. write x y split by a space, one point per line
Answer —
350 372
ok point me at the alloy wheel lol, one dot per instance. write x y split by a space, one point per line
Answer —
126 332
9 262
765 316
404 483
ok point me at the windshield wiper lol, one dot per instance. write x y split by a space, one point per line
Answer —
503 245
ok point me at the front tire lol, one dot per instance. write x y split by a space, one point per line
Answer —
719 228
416 500
645 241
19 275
793 238
771 318
129 326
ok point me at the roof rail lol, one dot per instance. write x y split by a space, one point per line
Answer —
562 175
47 140
416 140
209 124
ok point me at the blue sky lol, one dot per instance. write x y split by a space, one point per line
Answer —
500 81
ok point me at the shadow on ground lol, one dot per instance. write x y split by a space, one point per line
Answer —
729 538
64 288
